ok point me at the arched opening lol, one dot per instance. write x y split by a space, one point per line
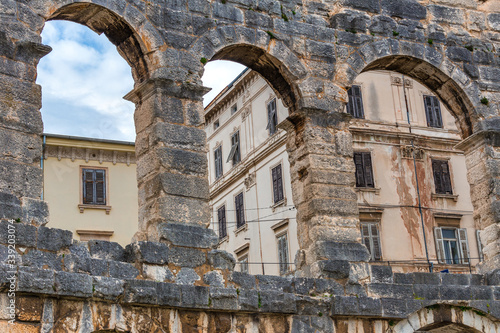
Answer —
249 171
89 180
441 84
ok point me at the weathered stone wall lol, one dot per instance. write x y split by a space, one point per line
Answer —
310 53
62 286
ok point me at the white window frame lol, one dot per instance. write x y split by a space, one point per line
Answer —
462 244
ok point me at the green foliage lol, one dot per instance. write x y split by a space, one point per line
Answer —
238 291
391 322
320 314
18 220
351 31
270 34
430 41
469 47
485 101
203 60
395 33
209 301
260 301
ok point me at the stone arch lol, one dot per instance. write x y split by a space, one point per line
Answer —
256 49
440 317
134 36
427 65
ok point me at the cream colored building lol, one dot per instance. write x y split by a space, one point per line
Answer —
259 227
90 186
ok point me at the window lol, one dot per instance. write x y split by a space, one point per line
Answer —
355 103
94 186
234 154
451 245
218 162
272 117
364 172
278 195
216 124
371 238
240 210
243 263
234 108
433 112
283 253
221 216
442 179
479 245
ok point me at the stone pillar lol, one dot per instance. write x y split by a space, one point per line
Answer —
322 172
21 177
171 162
482 157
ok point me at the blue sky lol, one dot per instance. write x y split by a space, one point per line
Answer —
84 80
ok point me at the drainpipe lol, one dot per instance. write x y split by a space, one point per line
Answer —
416 177
41 164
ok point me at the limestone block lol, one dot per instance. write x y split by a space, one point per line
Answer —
106 250
73 284
36 280
122 270
107 288
186 276
223 298
42 259
25 234
219 259
188 235
53 239
147 252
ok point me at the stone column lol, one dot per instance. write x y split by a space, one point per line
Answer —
322 172
171 163
21 177
482 157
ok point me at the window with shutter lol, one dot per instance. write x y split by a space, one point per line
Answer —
278 194
94 186
442 179
243 264
234 154
355 103
433 112
272 117
479 245
218 162
364 170
371 239
234 108
451 245
221 216
283 253
240 210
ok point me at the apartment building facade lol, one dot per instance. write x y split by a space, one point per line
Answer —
90 186
413 196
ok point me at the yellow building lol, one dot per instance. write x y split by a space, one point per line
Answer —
90 186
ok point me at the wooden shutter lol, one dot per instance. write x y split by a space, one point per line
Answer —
446 180
272 118
88 186
438 237
358 162
221 214
367 165
100 187
283 254
377 252
277 184
355 103
240 210
433 111
479 245
365 234
218 162
438 179
464 245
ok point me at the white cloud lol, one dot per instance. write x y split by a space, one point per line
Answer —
84 80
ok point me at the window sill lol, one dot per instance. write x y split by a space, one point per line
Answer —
82 207
223 239
445 196
375 190
279 204
240 229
